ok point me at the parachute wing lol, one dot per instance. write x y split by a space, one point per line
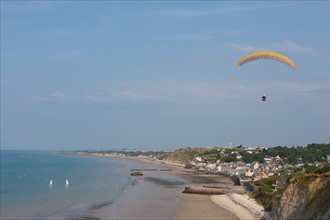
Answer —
266 55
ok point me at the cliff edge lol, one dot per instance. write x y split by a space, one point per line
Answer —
306 197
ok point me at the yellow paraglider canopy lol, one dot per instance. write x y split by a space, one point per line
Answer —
266 55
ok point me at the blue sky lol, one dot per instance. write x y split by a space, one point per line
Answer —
162 75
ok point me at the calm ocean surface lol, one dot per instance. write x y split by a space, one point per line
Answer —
26 193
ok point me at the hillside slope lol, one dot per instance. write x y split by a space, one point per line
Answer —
306 197
183 156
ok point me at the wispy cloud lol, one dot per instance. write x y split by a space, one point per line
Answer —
169 91
303 90
290 46
321 88
286 46
200 91
57 95
54 96
106 95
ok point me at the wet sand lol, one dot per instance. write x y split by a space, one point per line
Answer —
158 195
153 197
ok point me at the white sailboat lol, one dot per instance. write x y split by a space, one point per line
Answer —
66 182
51 183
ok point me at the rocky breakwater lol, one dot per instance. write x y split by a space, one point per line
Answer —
306 197
214 190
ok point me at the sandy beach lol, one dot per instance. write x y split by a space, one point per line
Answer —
158 195
196 206
240 205
151 198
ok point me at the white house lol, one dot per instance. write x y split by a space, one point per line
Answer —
249 173
199 159
256 166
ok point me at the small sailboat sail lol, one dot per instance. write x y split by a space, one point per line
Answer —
66 182
51 182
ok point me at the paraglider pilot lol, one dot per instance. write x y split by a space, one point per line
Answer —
263 98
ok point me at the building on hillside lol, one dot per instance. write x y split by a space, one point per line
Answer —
256 166
289 172
198 159
260 175
281 183
268 160
249 173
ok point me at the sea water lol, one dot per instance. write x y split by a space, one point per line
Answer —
27 194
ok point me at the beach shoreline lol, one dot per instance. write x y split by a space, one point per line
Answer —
237 206
187 206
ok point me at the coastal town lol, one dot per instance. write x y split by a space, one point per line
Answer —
231 162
